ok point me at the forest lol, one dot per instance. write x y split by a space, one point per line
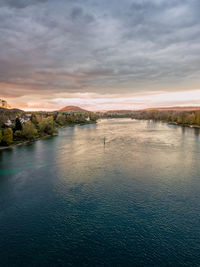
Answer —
17 126
185 118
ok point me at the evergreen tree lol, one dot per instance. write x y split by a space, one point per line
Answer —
18 125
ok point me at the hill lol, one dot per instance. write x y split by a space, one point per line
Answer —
9 114
9 111
156 108
73 109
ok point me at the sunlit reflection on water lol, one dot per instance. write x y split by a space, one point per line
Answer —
72 199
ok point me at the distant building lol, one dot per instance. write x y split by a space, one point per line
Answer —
24 120
8 123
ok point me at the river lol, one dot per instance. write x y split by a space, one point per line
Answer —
70 200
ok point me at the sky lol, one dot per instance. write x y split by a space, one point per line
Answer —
99 54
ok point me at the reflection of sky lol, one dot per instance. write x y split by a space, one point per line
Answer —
135 200
77 163
130 145
80 150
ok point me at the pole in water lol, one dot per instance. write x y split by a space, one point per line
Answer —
104 140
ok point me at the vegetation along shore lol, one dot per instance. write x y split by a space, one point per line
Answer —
183 116
188 118
18 127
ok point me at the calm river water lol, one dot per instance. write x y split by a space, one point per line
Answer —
71 201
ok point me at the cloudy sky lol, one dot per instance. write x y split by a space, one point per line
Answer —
99 54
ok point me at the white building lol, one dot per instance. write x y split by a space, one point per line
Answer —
24 120
8 123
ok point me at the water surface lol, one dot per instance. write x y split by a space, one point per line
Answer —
71 201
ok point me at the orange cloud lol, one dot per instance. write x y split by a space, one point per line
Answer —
94 101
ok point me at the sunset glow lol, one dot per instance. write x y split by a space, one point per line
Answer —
96 102
98 54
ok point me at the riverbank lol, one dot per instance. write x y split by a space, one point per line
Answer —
180 124
189 119
25 142
183 125
172 123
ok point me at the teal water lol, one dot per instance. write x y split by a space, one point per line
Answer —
71 201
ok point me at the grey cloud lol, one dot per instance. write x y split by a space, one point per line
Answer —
78 13
20 3
98 46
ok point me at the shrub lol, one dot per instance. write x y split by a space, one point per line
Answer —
18 135
29 131
47 126
61 119
7 136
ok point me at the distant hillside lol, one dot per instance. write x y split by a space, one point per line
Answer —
9 114
159 109
13 110
73 109
174 109
123 111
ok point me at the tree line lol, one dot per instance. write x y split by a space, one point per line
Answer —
185 118
39 125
